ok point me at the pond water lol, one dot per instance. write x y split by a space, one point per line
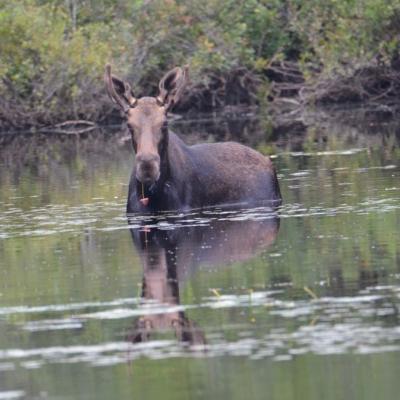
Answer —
296 303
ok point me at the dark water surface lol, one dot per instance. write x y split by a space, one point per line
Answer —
302 303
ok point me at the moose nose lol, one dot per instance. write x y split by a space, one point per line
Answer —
147 158
148 167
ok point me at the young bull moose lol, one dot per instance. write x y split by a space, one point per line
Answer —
168 174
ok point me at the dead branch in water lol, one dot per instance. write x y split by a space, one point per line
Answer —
72 127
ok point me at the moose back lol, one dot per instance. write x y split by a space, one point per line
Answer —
168 174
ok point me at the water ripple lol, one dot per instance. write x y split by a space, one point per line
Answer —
326 325
109 216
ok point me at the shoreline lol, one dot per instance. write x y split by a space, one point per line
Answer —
276 92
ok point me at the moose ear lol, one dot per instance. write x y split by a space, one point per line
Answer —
119 91
172 86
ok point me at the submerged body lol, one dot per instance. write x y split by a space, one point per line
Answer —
204 175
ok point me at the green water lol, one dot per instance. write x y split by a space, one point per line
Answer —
301 303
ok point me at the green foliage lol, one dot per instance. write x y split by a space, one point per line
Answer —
47 69
53 51
344 35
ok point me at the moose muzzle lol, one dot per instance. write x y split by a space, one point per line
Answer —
147 168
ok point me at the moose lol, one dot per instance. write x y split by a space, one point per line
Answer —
170 175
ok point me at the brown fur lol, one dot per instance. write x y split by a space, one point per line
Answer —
172 175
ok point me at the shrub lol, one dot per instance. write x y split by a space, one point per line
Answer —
53 51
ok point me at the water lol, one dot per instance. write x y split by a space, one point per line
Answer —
298 303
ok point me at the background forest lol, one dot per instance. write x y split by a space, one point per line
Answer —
53 52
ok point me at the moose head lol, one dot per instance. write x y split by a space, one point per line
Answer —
147 119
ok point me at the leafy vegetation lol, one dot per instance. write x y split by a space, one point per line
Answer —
53 52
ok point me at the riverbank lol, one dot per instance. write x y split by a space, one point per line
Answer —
287 108
284 54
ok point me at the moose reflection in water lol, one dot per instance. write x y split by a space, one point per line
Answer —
169 257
